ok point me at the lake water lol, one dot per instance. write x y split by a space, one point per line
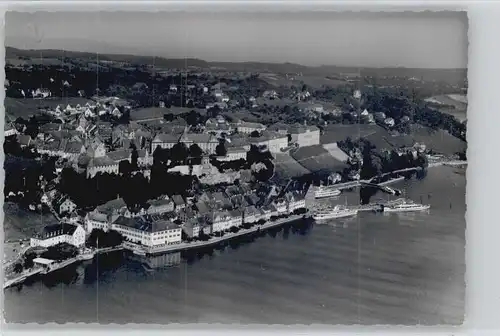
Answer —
373 269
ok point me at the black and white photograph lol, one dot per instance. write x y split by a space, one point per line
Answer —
242 167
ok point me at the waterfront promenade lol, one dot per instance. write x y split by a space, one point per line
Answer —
213 240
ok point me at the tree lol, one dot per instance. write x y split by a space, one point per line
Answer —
255 134
18 268
179 152
195 151
221 150
135 156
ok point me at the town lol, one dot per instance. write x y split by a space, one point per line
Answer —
189 157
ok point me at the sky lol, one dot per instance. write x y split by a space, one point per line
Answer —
413 40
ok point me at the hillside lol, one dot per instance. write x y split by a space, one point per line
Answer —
445 75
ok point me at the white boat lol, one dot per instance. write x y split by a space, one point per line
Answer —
406 207
139 252
86 255
336 212
324 192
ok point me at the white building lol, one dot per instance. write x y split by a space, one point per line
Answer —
67 206
389 122
233 154
305 135
96 221
60 233
141 231
249 127
221 221
295 201
164 140
102 165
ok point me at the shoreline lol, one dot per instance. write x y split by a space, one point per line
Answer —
141 250
228 236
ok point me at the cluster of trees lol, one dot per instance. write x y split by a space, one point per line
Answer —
135 189
179 154
59 252
104 239
135 83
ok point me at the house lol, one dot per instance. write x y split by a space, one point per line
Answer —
249 127
281 206
24 140
141 230
389 122
73 149
41 93
67 206
270 94
112 208
295 201
233 154
193 227
179 202
251 214
9 130
304 135
221 221
97 221
236 218
59 233
96 148
160 206
274 142
279 128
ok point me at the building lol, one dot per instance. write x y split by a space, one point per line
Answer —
274 142
251 215
41 93
140 230
179 202
67 206
164 140
9 130
389 122
192 228
60 233
295 201
206 142
221 221
281 206
160 206
233 154
97 221
102 165
304 135
249 127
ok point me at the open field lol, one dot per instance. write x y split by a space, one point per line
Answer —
439 141
158 112
315 82
316 159
287 167
26 107
22 224
453 104
338 132
336 152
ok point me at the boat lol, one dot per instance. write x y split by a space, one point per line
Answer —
336 212
139 252
324 192
86 255
405 206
